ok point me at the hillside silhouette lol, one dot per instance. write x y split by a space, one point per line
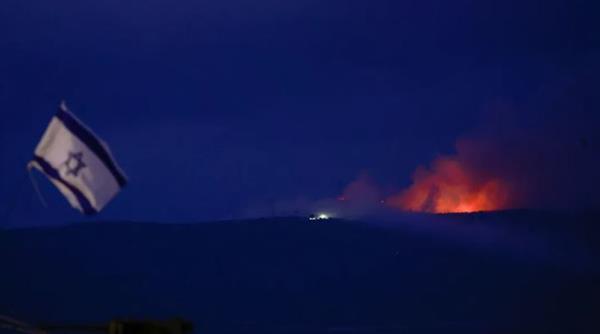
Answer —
496 272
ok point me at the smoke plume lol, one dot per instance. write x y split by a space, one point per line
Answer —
543 154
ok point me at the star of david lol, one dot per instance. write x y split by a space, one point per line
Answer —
74 163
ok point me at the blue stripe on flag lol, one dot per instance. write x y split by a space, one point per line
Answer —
86 206
92 142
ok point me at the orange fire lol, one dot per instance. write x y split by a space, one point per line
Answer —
451 186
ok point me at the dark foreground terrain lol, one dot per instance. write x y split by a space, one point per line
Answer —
504 272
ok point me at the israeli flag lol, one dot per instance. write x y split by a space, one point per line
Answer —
78 163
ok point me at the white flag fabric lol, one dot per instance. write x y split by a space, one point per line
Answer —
78 163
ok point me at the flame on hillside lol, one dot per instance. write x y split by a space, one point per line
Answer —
452 186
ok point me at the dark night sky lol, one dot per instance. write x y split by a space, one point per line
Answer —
213 107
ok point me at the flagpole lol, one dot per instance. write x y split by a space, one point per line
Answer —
36 187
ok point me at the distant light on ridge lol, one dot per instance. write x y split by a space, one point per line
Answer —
321 216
